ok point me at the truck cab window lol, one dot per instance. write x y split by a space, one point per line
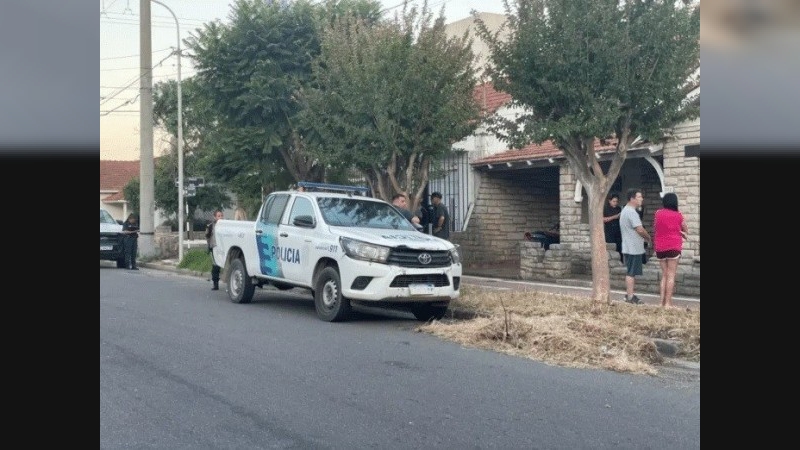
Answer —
274 209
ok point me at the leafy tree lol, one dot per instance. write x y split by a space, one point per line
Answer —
390 98
197 131
131 192
251 71
588 70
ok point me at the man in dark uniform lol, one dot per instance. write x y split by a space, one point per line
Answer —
130 241
611 212
441 217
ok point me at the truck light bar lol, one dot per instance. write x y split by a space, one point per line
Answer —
309 186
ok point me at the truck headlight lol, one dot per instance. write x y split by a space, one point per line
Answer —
455 256
364 251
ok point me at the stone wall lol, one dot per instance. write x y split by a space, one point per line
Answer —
682 173
508 205
559 262
166 243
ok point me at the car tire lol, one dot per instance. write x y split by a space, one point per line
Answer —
240 287
121 263
331 306
425 312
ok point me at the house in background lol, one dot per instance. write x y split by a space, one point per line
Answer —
496 194
114 175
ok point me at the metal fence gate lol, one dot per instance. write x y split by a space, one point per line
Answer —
453 179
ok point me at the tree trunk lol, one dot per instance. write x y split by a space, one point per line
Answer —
601 281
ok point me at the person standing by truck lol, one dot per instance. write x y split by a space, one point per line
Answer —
212 242
441 217
401 204
130 241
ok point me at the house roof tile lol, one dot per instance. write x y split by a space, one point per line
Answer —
532 152
114 175
489 99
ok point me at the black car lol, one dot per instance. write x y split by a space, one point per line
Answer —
111 239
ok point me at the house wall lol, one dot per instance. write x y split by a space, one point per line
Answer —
511 202
683 174
507 205
116 210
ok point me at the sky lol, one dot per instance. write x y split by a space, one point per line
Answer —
119 58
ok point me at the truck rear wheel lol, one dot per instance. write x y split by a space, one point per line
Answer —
330 304
240 286
425 312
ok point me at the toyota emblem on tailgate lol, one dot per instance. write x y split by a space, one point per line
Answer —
424 258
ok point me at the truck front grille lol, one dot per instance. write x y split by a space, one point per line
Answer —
406 257
438 280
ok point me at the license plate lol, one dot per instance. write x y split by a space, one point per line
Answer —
106 247
421 288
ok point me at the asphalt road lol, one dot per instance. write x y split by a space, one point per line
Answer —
182 367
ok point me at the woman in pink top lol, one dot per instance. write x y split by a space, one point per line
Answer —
669 231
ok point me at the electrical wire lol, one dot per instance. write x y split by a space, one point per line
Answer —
136 55
111 96
128 102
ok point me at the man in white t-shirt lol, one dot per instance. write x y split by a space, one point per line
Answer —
633 238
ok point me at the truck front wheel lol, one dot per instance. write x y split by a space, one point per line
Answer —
240 286
328 300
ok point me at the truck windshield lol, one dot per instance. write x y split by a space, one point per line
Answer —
105 217
353 212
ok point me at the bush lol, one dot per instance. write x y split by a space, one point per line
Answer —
198 259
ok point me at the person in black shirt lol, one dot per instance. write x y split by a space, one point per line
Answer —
130 241
611 212
441 217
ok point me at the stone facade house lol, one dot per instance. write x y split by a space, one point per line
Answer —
495 195
524 190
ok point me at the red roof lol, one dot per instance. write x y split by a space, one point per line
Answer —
537 151
114 175
489 99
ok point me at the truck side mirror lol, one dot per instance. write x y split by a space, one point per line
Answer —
304 221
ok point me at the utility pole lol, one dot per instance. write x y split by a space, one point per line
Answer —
146 164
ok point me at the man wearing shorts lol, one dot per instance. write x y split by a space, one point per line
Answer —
633 238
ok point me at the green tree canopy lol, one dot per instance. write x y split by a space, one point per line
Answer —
198 130
391 97
587 70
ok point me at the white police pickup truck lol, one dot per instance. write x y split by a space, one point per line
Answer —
345 247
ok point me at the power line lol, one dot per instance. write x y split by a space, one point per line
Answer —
135 15
133 56
128 102
136 79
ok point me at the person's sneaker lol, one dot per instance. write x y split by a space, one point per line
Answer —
633 300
